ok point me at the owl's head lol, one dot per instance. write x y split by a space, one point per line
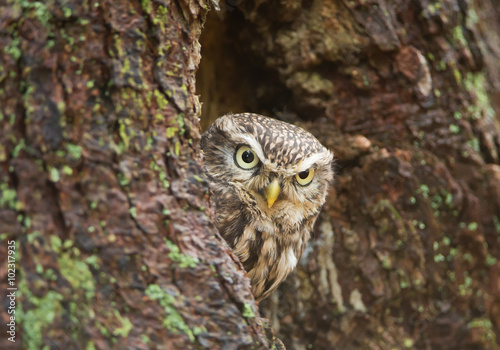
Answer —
281 166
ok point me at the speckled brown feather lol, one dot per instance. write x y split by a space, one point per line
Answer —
268 241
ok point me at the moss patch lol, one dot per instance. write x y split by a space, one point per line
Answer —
173 320
39 318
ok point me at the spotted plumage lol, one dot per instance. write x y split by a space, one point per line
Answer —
269 180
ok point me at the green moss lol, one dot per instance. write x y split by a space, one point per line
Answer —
465 288
123 180
486 327
68 38
424 190
458 76
49 275
162 10
147 6
431 10
40 316
67 12
145 339
448 200
21 145
13 48
475 83
170 132
162 176
67 170
119 45
439 258
55 243
313 83
458 37
180 122
75 151
126 325
93 261
54 174
133 212
468 257
365 80
160 99
176 256
386 262
3 153
408 343
8 196
247 311
173 320
490 260
104 331
198 330
39 10
122 130
126 67
161 19
474 144
472 226
27 222
77 272
197 178
436 201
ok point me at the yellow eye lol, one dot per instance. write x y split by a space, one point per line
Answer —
305 177
246 158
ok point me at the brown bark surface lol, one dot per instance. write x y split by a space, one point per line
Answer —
406 253
101 184
102 190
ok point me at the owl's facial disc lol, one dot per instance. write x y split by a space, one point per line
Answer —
269 180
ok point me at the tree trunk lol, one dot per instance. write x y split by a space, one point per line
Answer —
102 193
406 93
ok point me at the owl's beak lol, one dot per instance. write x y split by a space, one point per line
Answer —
272 192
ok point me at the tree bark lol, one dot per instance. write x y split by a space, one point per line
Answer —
101 185
103 193
406 93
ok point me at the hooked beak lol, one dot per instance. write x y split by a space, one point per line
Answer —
272 192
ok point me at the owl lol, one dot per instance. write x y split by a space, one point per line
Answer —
268 181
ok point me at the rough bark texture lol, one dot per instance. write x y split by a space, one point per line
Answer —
102 190
406 253
101 184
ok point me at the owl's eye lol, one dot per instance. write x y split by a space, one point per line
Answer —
305 177
246 158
